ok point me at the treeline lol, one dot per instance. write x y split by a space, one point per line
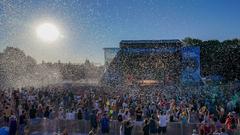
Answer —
218 58
19 70
75 72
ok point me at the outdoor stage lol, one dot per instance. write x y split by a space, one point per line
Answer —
152 62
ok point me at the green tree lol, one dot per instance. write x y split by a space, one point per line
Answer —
191 41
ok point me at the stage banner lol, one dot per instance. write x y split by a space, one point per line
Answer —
112 74
190 66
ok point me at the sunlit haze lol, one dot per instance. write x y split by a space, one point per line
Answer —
89 26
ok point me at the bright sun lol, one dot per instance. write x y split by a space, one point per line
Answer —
47 32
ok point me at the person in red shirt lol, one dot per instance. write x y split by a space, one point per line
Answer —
231 124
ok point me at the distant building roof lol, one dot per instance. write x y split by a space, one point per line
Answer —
110 48
150 43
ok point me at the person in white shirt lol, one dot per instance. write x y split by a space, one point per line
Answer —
126 115
68 115
194 132
163 120
124 105
72 115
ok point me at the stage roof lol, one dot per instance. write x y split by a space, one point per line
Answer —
150 43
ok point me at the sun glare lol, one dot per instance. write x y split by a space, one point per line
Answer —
47 32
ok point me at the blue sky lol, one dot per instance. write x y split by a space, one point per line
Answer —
87 26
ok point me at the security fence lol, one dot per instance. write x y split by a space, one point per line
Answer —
45 126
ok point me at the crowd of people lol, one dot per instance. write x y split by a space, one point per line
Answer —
152 108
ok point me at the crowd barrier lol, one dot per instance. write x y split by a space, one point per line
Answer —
83 127
2 123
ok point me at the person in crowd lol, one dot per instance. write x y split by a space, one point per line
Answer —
163 120
40 111
86 114
92 132
105 124
22 123
7 113
61 114
65 132
51 114
79 114
146 127
128 126
192 116
223 132
218 124
121 129
231 124
13 125
72 114
153 125
221 113
47 112
68 115
32 112
183 117
120 115
139 114
126 115
93 120
133 103
194 132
